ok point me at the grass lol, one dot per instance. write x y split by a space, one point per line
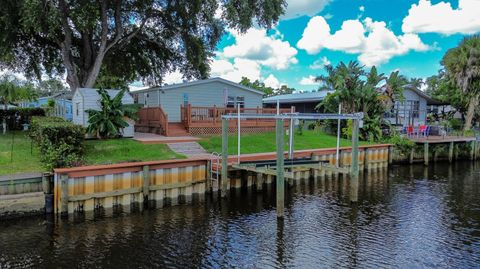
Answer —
265 142
26 159
125 150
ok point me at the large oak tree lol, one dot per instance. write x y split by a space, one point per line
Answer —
126 39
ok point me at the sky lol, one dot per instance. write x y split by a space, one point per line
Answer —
406 35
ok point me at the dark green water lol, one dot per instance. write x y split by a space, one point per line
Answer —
408 217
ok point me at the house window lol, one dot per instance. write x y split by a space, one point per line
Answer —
231 101
240 101
77 109
414 107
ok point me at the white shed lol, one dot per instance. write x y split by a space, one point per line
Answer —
87 98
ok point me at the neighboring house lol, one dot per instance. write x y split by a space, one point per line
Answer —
201 93
303 102
412 110
86 98
196 107
63 104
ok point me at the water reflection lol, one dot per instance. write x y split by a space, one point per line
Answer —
408 216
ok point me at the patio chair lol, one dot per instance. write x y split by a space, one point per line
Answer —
422 129
410 131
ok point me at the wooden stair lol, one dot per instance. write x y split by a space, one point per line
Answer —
177 129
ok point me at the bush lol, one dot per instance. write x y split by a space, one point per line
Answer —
402 144
455 124
18 116
60 142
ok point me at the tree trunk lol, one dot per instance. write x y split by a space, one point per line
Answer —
470 112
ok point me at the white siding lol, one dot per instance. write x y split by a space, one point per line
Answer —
205 94
410 95
77 105
90 99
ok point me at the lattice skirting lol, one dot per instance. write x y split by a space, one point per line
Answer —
218 130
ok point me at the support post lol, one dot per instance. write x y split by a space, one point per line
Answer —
290 137
472 150
224 157
146 183
412 152
450 152
425 153
390 155
64 198
355 167
280 185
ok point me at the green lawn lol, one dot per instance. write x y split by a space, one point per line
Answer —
265 142
123 150
25 157
97 152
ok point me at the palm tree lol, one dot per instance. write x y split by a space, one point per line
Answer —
12 91
416 83
109 121
393 88
462 65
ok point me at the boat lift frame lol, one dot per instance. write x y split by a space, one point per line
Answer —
357 119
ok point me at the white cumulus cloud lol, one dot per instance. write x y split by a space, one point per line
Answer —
320 63
256 45
308 81
273 82
442 18
298 8
372 40
236 70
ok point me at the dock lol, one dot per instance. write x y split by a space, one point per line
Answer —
453 142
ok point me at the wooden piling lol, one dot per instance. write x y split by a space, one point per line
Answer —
224 157
412 152
425 153
366 160
64 196
146 183
390 155
259 181
280 184
450 152
355 167
472 150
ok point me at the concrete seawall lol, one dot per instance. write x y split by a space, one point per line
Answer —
155 184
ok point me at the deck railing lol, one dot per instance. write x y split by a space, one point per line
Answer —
153 117
198 116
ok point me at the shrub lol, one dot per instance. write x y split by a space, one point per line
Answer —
402 144
60 142
455 124
18 116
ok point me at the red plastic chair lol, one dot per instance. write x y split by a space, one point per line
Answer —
410 131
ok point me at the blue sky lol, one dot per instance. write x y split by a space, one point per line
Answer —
406 35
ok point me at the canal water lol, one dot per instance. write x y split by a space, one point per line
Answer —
408 217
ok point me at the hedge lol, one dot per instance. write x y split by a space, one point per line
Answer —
18 116
60 142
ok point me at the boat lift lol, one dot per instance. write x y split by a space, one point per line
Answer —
280 162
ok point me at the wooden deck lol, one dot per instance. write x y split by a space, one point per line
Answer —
211 117
442 139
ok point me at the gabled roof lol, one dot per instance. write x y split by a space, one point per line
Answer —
297 97
430 100
199 82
